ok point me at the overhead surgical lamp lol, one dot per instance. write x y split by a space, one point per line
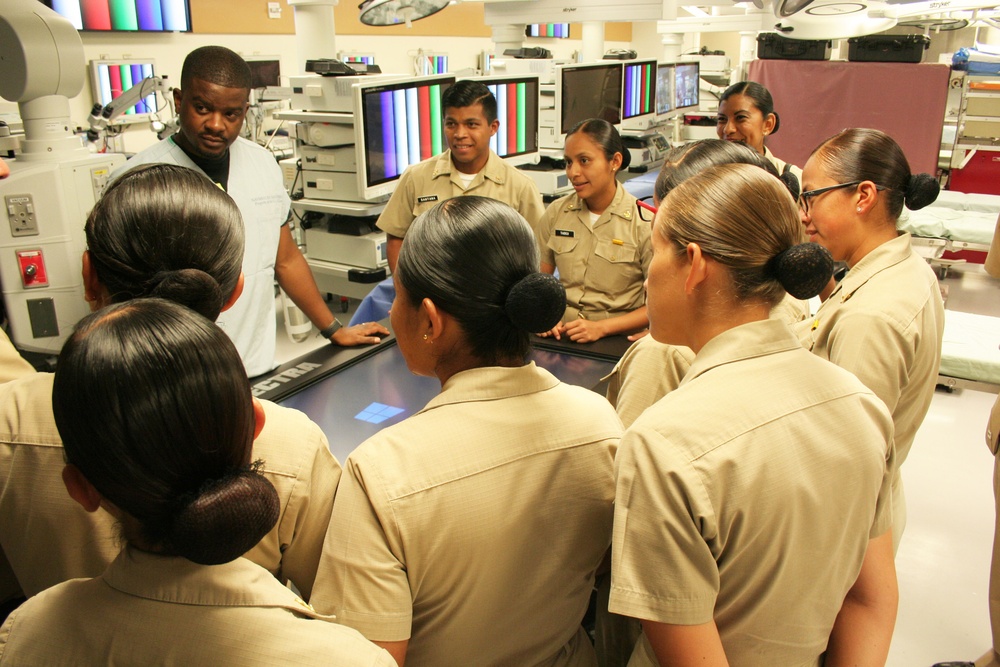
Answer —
839 19
394 12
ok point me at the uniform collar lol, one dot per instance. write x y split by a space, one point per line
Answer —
493 383
747 341
622 205
494 169
177 580
881 258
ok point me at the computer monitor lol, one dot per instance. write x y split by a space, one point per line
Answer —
558 30
432 63
639 97
110 78
664 90
125 15
356 57
486 61
516 139
686 85
398 122
265 71
589 90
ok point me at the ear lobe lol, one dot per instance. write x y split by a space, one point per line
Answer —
435 319
237 291
80 489
177 99
92 287
494 127
867 195
259 417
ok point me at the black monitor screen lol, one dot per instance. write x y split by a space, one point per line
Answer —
591 92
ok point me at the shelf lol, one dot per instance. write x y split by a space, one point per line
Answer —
348 208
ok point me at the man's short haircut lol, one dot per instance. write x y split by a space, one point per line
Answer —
218 65
466 93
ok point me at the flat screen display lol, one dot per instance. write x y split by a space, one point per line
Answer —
686 83
403 124
433 64
590 91
559 30
517 111
358 402
640 89
664 88
111 78
125 15
264 73
367 59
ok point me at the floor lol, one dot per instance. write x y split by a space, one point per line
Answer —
944 558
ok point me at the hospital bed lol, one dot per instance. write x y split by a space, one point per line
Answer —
955 221
970 351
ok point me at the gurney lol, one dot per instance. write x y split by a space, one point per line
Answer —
970 351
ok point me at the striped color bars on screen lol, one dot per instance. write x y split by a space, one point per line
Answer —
639 86
435 65
116 79
560 30
512 136
412 127
138 15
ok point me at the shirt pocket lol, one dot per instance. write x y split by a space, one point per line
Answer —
616 267
422 206
562 245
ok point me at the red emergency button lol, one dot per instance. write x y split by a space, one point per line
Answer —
32 266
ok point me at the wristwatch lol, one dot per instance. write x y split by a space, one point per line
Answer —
332 329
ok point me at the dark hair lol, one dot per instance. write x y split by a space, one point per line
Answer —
167 231
477 260
746 221
466 93
218 65
604 135
683 162
760 95
862 154
154 407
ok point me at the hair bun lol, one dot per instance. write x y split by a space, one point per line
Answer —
225 519
803 270
922 190
626 157
536 302
189 287
791 182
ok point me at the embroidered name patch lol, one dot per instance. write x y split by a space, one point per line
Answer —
427 198
565 232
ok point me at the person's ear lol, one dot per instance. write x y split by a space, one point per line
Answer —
237 291
697 268
494 126
435 319
177 99
93 290
867 195
80 489
616 162
769 122
259 417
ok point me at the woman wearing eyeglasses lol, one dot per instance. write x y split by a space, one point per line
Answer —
885 320
747 115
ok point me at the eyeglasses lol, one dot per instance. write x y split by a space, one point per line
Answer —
805 197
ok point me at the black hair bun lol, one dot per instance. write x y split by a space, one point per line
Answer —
804 269
536 302
922 190
791 182
777 123
626 157
193 288
225 519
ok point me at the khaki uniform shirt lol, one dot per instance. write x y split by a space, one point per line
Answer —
48 538
160 610
12 364
884 323
780 165
475 527
602 268
434 180
749 496
647 372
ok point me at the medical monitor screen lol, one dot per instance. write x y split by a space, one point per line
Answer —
640 89
664 89
686 83
558 30
264 73
111 78
432 63
125 15
403 124
517 111
366 58
590 91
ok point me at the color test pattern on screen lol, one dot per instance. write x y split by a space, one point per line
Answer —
403 126
512 112
138 15
113 80
639 87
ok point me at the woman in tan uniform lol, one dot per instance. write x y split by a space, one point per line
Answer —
598 238
470 533
747 115
166 231
154 408
885 320
752 515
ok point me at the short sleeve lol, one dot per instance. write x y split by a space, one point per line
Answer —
12 364
875 350
397 216
662 568
362 574
543 231
530 204
647 372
